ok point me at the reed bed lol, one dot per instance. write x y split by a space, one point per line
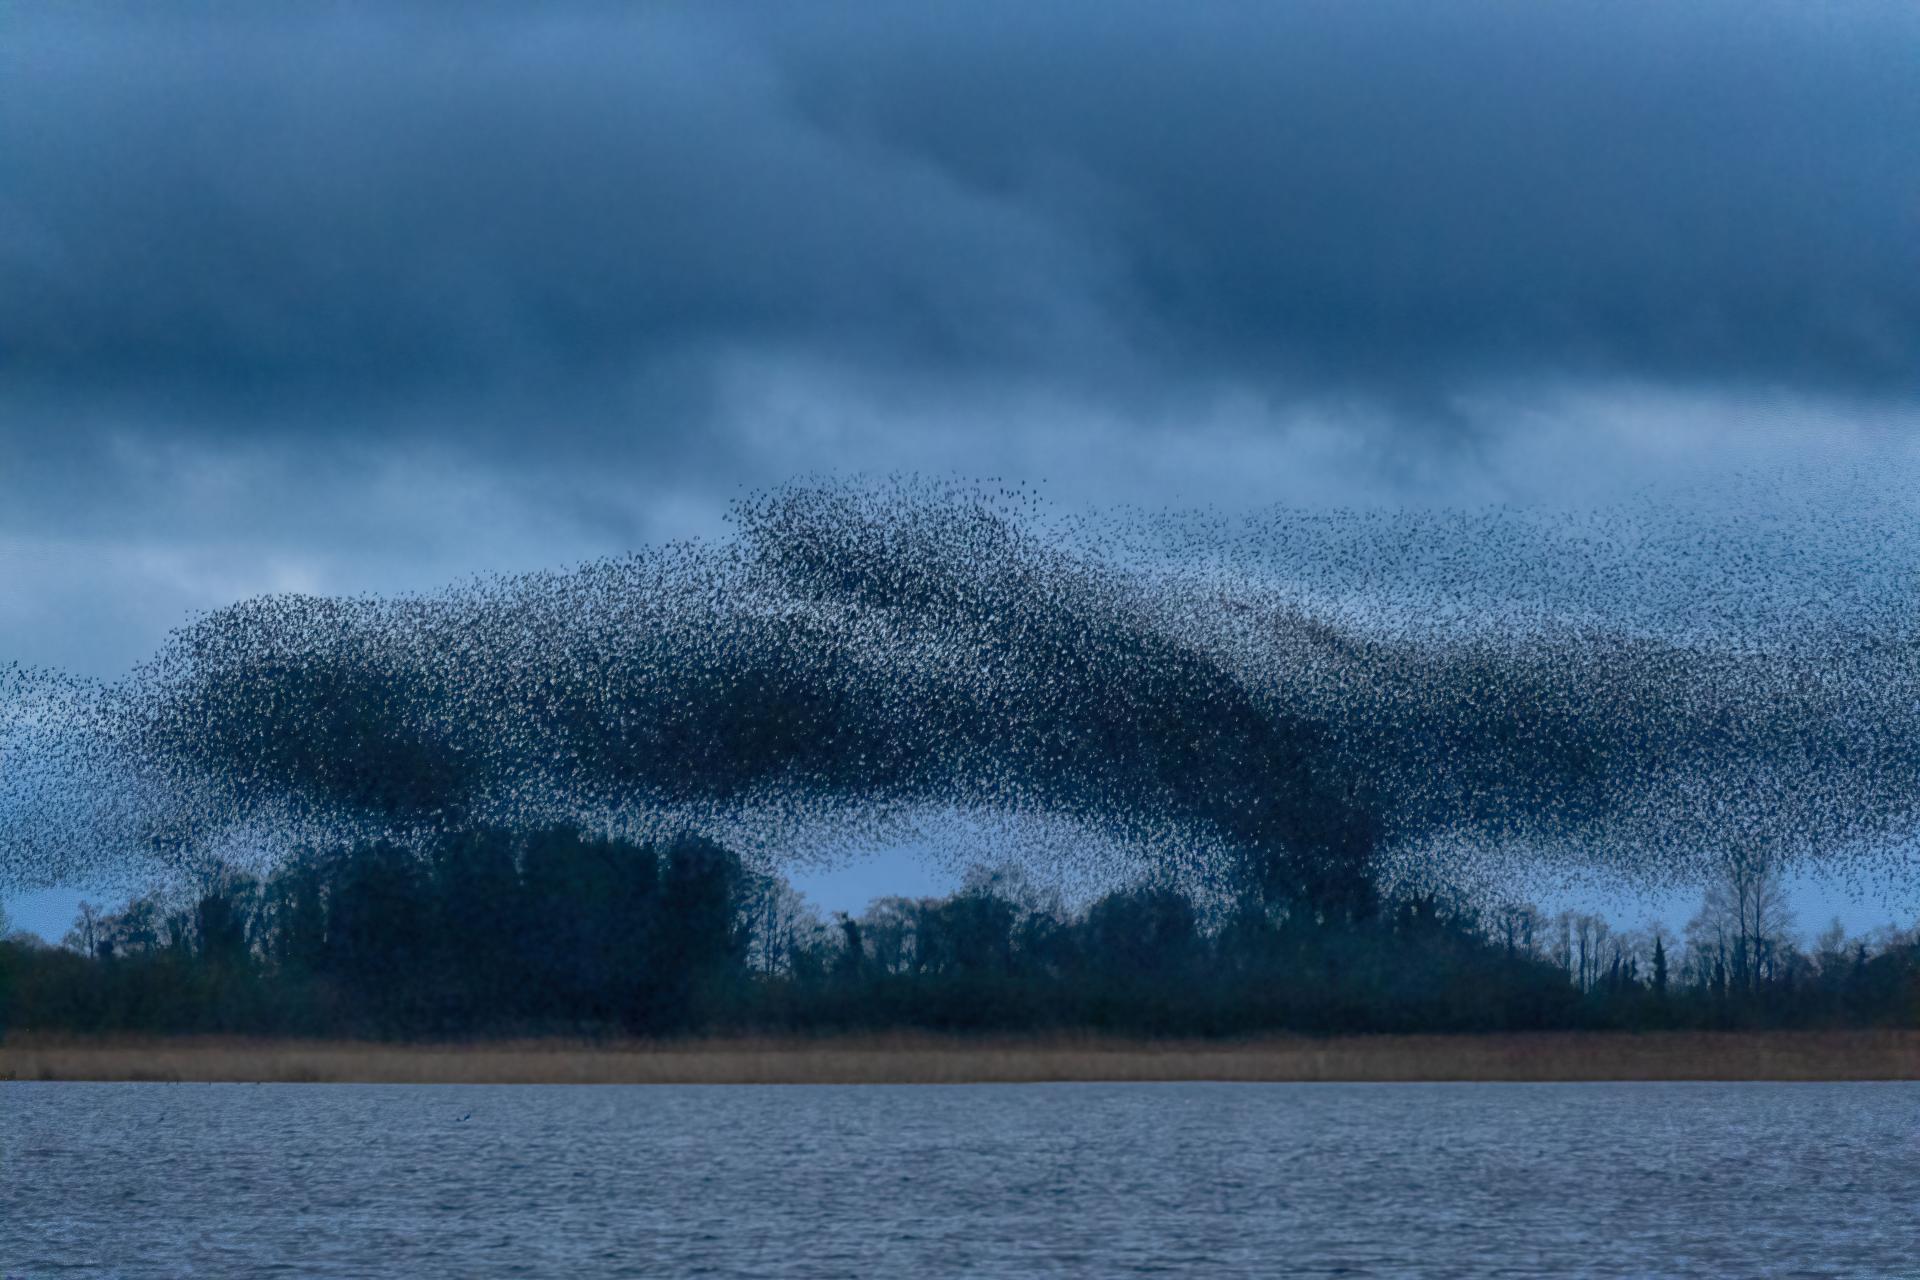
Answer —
927 1059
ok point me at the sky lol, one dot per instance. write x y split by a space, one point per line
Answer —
340 298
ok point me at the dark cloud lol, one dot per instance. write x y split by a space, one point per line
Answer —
294 217
1410 193
268 274
288 214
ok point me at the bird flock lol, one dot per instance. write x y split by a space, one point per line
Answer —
1312 705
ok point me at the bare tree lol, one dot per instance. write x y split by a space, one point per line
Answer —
1579 945
779 920
1562 941
1520 928
1012 883
893 934
85 936
1832 954
1744 918
1592 933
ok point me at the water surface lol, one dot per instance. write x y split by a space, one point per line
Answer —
144 1180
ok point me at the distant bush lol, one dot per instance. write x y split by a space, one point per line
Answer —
556 931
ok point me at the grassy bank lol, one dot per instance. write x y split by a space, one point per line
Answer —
1838 1055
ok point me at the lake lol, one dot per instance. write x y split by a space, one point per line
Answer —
997 1180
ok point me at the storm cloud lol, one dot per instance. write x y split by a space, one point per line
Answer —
270 274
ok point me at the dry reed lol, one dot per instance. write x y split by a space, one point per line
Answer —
927 1059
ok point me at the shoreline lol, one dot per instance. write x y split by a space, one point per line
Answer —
981 1059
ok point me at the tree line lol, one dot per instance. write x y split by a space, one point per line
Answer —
563 932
